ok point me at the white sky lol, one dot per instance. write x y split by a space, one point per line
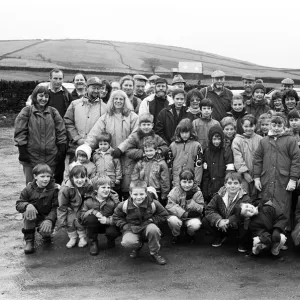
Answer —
264 32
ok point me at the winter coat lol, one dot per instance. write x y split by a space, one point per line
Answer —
257 108
275 162
41 132
128 217
216 209
202 126
243 149
155 173
70 200
238 118
216 161
178 204
148 105
166 122
267 219
184 155
80 118
136 102
44 200
134 144
92 206
107 165
75 95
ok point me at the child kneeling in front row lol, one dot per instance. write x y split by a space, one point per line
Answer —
185 205
138 217
220 214
266 225
96 214
38 203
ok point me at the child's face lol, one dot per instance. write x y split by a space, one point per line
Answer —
42 179
232 186
229 131
248 128
138 195
237 105
103 191
265 126
185 135
290 102
178 100
258 95
277 102
104 146
277 128
82 158
206 111
216 140
186 185
294 123
146 127
79 181
195 101
248 210
149 152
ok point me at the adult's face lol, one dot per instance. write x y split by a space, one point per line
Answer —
93 91
218 82
248 85
79 81
195 101
56 80
140 87
103 91
161 90
179 85
115 86
127 87
118 102
42 99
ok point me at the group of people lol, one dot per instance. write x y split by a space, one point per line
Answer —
112 158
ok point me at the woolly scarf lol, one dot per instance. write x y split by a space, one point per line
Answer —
194 111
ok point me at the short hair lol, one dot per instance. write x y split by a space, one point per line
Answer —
206 102
275 95
101 180
195 93
149 90
176 92
127 108
146 118
186 174
252 120
228 121
81 75
237 97
55 70
137 184
278 118
78 170
150 142
39 89
127 77
41 169
233 176
293 114
263 117
289 93
104 136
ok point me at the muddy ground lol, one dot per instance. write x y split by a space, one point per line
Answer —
192 272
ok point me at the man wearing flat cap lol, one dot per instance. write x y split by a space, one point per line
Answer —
154 103
152 80
178 82
219 95
287 84
248 82
140 83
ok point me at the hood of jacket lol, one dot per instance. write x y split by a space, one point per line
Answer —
216 129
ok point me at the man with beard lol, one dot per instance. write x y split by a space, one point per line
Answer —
154 103
127 85
248 82
219 95
81 116
79 81
140 84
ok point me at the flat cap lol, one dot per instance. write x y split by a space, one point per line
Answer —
94 81
140 77
217 73
153 78
178 79
248 77
161 80
287 81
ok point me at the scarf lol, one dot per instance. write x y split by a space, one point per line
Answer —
194 111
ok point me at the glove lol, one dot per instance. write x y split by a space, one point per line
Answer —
102 220
291 185
46 226
117 153
194 214
248 177
257 183
276 235
23 154
30 213
61 152
190 194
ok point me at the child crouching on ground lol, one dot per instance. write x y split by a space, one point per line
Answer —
96 214
138 217
266 225
153 170
220 214
185 205
70 199
38 203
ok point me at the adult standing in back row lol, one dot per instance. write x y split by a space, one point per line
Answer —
219 95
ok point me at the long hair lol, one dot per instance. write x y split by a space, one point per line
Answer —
108 88
185 125
127 107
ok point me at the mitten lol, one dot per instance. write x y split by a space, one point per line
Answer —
117 153
23 153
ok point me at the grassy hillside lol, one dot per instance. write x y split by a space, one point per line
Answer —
121 57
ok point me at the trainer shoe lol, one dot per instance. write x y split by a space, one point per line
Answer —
158 259
218 241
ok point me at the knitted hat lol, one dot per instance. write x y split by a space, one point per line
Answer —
258 86
178 79
86 149
287 81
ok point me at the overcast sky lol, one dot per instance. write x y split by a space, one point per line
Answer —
264 32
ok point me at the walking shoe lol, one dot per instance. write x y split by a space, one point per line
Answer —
278 246
218 241
175 239
158 259
94 248
29 247
242 248
135 253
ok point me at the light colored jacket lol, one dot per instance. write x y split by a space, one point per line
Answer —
80 118
144 107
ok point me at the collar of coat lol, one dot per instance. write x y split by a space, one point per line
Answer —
70 185
284 133
51 185
144 204
108 151
222 191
